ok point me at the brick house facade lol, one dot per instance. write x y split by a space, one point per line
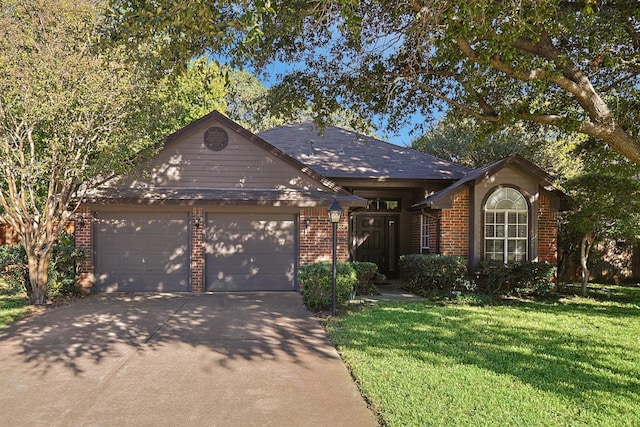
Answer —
219 208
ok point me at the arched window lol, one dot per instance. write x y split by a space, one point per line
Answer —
506 225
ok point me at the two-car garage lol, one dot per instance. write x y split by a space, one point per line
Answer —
151 251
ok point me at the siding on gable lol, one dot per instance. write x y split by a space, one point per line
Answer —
187 164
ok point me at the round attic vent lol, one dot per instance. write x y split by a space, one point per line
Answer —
216 138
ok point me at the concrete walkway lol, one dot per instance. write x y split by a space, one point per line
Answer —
255 359
391 292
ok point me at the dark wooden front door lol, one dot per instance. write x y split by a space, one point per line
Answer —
376 240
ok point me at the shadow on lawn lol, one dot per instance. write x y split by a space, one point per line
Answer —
573 362
81 335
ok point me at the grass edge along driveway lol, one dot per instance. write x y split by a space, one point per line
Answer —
13 307
571 362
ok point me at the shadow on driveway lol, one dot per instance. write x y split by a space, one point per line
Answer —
176 359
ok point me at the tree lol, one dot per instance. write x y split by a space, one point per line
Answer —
572 65
473 143
190 95
604 200
69 114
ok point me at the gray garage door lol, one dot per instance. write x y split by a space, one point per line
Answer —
142 252
250 252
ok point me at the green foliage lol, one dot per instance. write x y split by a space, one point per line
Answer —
63 267
71 112
428 273
492 276
13 269
570 362
12 306
522 277
368 277
316 283
189 96
567 65
63 274
474 143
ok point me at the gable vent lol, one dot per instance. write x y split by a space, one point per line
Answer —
216 138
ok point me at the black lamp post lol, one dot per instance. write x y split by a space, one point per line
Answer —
335 212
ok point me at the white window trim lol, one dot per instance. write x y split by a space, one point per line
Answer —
424 234
506 239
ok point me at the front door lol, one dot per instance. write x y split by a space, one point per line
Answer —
376 240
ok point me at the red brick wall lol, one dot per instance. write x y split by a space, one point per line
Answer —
547 232
316 241
454 226
197 250
83 235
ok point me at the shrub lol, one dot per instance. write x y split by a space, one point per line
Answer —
492 276
428 273
63 274
523 277
316 282
13 269
368 276
530 277
63 270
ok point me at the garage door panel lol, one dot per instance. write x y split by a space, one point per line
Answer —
142 252
250 252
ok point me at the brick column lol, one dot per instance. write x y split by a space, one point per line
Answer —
197 250
454 226
547 232
84 240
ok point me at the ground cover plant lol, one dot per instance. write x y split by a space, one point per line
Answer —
569 361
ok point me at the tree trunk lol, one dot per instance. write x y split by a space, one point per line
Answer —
585 247
38 263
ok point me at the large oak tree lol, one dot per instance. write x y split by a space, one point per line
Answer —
569 64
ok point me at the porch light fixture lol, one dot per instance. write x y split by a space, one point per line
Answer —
79 220
335 212
197 222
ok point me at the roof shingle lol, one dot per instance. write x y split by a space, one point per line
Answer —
340 153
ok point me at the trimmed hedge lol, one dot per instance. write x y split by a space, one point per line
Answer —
316 283
523 277
428 273
368 278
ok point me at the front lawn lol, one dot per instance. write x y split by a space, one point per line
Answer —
571 362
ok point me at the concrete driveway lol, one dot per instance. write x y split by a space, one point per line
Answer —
237 359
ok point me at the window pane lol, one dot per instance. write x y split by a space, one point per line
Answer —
522 217
499 230
512 230
489 231
522 231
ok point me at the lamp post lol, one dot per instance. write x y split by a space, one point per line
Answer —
335 212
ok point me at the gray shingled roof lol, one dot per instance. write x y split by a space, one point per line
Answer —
340 153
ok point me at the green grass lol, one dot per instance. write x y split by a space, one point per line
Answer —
12 307
568 362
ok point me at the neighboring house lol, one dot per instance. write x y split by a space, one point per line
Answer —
219 208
